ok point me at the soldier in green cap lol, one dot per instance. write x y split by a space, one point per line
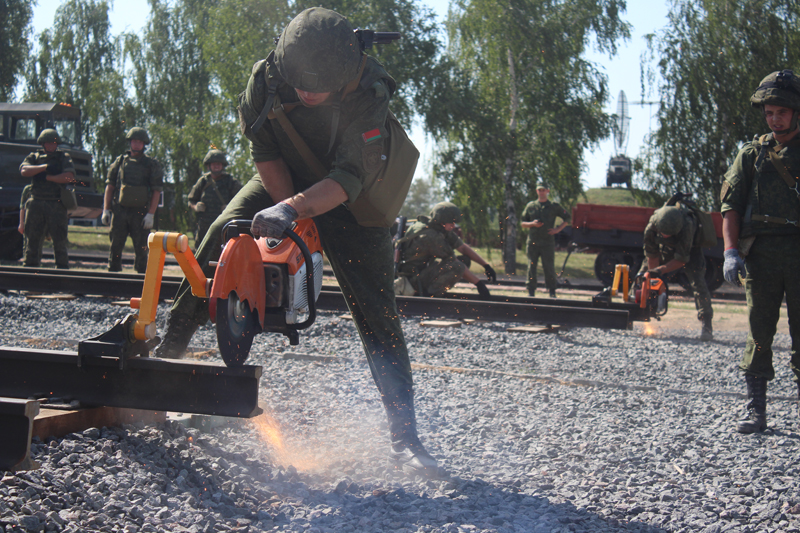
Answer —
428 264
133 192
761 210
212 193
319 82
50 169
672 242
539 218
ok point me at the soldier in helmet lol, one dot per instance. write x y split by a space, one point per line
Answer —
212 192
133 191
428 265
336 98
50 169
671 242
761 210
539 218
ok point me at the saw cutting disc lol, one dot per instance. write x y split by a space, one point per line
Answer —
237 324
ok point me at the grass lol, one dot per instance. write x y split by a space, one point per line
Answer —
620 196
578 265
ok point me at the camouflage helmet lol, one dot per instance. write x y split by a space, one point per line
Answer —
318 52
48 136
669 220
445 213
215 156
779 88
139 134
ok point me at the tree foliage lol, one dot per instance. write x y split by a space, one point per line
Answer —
422 196
15 29
710 58
522 103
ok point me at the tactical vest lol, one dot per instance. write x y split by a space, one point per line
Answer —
773 208
41 188
134 178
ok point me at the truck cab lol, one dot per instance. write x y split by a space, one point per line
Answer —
20 126
619 171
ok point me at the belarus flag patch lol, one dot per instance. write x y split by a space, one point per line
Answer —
371 135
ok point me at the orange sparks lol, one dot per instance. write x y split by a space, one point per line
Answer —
285 453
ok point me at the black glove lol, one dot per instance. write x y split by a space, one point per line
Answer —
54 168
491 275
271 222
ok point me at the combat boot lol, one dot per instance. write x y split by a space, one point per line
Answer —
707 333
552 294
180 329
483 291
408 453
756 419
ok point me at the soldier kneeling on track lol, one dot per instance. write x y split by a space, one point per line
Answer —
428 265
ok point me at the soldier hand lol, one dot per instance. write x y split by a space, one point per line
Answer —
733 266
272 221
655 273
491 275
200 207
106 218
147 222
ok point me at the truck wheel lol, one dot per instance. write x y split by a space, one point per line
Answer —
714 275
607 260
10 245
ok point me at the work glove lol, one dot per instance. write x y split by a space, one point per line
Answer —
54 168
106 218
272 221
733 266
491 275
199 207
147 221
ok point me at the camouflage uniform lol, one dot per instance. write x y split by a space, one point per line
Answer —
215 194
682 247
541 244
773 261
23 200
44 212
428 257
141 171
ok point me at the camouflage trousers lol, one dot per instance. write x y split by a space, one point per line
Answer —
439 276
362 260
127 221
547 253
203 223
695 272
43 217
773 271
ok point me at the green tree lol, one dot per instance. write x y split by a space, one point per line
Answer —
422 196
522 102
15 29
710 58
78 62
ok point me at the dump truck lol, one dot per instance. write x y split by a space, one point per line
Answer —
616 234
21 125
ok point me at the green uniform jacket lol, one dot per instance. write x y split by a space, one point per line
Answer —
41 189
677 247
139 171
215 194
766 195
360 132
423 242
546 212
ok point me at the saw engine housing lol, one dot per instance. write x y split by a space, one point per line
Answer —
264 285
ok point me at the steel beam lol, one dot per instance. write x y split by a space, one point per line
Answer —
146 383
16 419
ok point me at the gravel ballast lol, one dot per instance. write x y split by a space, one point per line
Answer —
582 431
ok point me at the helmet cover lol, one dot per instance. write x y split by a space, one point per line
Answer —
48 135
215 156
781 88
669 220
138 134
445 213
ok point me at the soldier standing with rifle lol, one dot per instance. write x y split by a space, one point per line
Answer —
133 192
339 100
49 169
212 193
761 208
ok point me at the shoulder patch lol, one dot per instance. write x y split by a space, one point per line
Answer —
372 158
371 135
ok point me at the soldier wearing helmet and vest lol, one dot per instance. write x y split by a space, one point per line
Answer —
336 98
212 192
428 264
50 169
672 242
133 192
761 210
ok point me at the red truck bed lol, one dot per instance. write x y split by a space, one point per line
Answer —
590 217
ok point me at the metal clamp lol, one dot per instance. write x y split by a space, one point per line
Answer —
796 188
792 222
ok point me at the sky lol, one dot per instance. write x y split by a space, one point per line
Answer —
622 71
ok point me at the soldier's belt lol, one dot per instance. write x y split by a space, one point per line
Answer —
773 220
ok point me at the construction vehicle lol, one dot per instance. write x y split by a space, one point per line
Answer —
20 128
616 234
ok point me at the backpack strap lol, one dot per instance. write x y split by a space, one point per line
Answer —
791 181
272 90
305 152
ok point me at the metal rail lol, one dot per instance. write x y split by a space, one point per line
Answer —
16 419
146 383
508 309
